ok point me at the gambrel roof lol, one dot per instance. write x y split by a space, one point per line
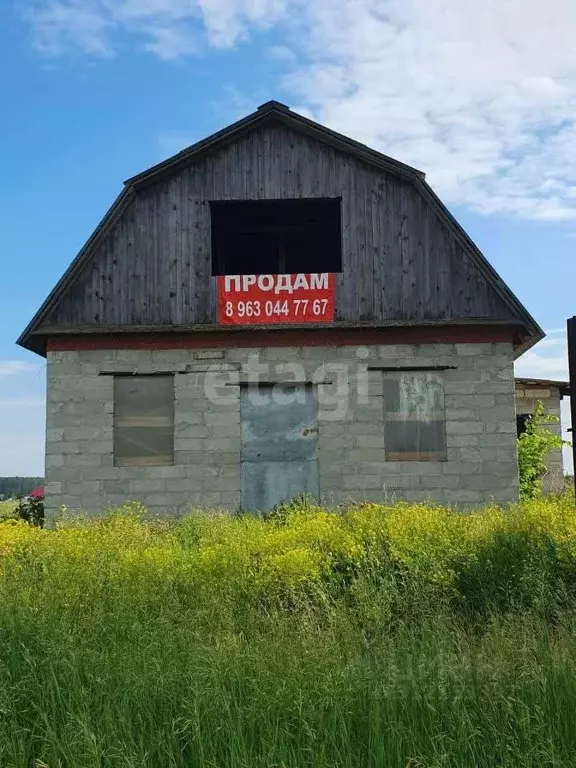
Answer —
273 117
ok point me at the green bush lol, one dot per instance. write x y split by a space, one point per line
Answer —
534 446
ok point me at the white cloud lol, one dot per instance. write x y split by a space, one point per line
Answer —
281 53
165 26
482 96
539 366
170 43
547 360
17 367
71 24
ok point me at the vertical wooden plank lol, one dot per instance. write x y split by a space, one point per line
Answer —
422 260
147 240
175 251
185 263
98 304
432 299
407 252
266 169
377 203
363 225
395 274
196 281
414 295
348 241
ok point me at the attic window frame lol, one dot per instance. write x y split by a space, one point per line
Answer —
221 238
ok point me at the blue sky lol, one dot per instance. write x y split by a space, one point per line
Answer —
480 96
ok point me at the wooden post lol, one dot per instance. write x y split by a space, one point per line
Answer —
572 365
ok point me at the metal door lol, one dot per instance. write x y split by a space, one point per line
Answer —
279 444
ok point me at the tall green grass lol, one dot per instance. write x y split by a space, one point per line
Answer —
375 637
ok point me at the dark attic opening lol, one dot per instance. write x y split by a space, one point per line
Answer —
261 237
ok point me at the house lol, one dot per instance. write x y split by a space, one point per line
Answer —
550 392
279 310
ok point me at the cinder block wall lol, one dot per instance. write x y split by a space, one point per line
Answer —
480 425
526 399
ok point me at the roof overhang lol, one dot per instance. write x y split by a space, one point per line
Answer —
563 387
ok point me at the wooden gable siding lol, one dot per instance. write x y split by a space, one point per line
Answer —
400 259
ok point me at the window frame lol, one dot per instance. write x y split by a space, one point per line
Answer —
281 259
438 417
142 422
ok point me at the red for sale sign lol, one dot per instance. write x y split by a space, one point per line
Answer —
276 299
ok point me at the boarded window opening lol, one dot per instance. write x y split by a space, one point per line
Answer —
414 417
143 421
262 237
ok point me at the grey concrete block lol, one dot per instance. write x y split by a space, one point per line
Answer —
147 486
463 441
188 432
188 417
462 468
84 487
115 486
222 419
81 460
335 454
369 441
221 458
439 483
502 427
497 440
415 467
485 482
217 444
185 486
361 482
61 357
54 461
228 484
476 350
460 387
466 454
462 414
463 428
209 354
64 475
434 350
503 453
95 447
331 429
356 428
227 430
331 482
361 455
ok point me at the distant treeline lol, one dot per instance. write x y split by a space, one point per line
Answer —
18 486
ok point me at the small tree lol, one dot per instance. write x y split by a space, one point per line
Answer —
534 445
